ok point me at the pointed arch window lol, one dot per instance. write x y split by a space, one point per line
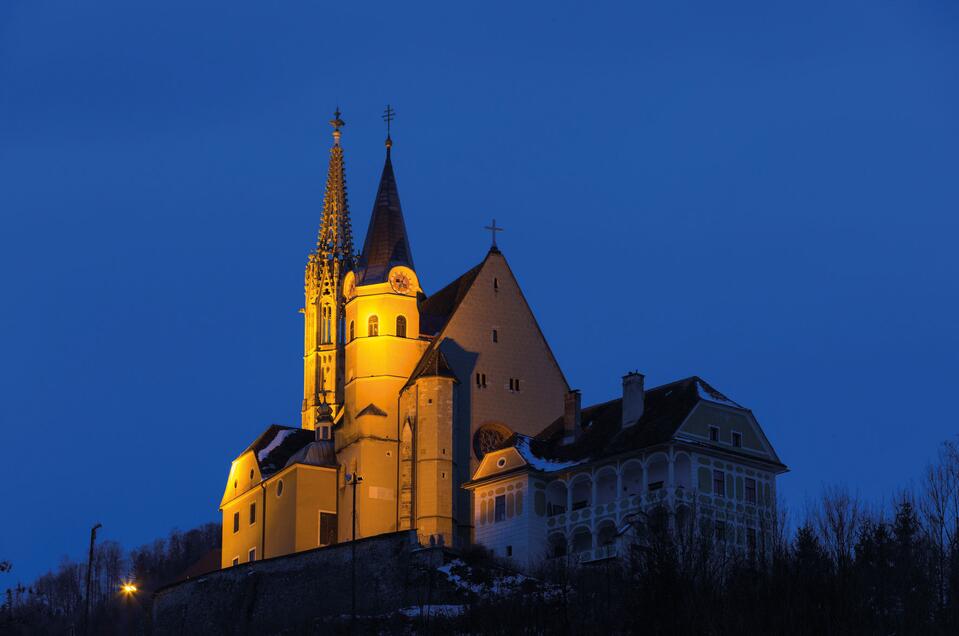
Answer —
374 326
326 327
401 326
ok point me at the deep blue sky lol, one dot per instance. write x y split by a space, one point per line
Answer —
763 195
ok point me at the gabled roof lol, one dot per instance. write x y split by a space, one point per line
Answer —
665 409
276 445
386 244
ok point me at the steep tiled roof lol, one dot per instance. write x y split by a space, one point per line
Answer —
436 310
665 409
276 444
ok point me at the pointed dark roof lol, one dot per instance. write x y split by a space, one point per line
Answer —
386 242
433 364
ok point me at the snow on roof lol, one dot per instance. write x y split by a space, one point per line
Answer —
710 394
277 440
539 463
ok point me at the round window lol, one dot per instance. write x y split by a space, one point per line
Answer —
488 437
501 462
279 488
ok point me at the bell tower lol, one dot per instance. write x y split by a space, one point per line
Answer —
323 311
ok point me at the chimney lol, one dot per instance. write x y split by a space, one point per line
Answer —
633 397
572 415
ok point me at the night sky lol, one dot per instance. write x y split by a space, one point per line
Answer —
763 196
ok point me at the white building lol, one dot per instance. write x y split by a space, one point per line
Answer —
683 449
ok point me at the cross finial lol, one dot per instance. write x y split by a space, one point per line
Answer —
388 116
337 123
493 229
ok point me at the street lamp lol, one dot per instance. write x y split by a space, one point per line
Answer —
129 589
353 479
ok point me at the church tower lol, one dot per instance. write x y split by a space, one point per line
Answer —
382 348
323 356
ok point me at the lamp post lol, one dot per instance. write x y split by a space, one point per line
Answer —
86 610
353 479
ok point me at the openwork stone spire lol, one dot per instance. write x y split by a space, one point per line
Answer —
335 239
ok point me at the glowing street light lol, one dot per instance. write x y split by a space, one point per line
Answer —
128 588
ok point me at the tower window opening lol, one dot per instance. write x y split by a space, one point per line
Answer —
495 284
401 326
236 522
252 513
352 331
373 329
514 384
326 328
481 380
495 336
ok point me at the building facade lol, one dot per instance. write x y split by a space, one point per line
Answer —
449 415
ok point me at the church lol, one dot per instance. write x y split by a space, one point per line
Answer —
447 414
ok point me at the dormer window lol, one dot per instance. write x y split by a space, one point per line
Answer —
373 328
713 433
737 439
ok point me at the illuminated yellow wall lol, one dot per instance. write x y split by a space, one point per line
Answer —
242 489
291 514
377 367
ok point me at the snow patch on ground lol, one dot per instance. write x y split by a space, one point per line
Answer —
279 439
446 611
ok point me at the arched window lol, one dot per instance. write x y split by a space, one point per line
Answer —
401 326
374 326
325 327
352 334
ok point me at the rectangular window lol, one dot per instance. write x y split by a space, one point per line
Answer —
252 555
719 483
514 384
509 550
327 528
236 522
499 514
750 490
737 439
252 513
236 560
481 380
495 336
713 433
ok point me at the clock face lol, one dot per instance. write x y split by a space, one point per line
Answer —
400 282
350 290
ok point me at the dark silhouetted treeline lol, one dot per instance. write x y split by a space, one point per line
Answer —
54 603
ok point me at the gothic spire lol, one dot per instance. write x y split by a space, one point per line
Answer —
386 242
335 239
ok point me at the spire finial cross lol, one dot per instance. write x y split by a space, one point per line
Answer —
493 229
337 123
388 116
